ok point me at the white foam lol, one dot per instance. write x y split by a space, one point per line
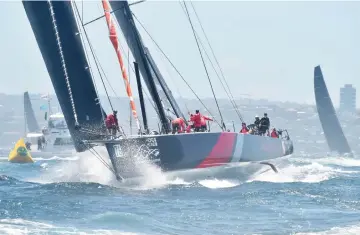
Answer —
348 230
216 183
20 227
87 168
71 158
311 173
332 160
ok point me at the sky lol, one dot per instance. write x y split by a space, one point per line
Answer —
265 49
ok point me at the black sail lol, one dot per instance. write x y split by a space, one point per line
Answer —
51 22
333 132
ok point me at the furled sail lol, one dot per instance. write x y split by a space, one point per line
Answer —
333 132
114 40
31 122
58 37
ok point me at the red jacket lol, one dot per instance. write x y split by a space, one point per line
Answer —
111 121
274 134
179 121
244 130
203 120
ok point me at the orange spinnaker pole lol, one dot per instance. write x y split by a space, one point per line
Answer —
114 40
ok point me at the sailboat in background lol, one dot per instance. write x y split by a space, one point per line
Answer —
58 35
333 132
31 123
51 140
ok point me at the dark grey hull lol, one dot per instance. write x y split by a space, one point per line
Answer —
193 150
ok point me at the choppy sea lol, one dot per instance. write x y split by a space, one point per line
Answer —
315 192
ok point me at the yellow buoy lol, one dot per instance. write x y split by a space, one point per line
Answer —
20 154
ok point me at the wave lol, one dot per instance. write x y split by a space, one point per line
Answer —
301 168
21 226
348 230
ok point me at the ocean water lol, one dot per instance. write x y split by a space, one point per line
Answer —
315 192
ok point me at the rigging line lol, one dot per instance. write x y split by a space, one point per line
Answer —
133 69
100 158
177 88
93 54
217 62
202 58
89 67
217 74
177 71
221 82
102 70
82 10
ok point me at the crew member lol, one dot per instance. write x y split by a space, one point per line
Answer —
39 142
203 120
264 124
43 141
191 123
28 145
257 121
274 133
196 119
244 129
178 124
111 123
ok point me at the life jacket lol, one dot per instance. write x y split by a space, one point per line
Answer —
203 121
274 134
110 121
244 130
197 120
179 121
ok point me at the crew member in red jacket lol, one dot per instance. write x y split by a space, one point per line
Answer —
244 128
203 120
274 133
111 123
178 124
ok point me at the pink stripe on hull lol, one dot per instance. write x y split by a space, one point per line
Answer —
221 152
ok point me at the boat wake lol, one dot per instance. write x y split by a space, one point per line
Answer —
87 168
348 230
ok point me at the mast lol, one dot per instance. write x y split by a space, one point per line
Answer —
58 37
114 40
141 97
127 24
